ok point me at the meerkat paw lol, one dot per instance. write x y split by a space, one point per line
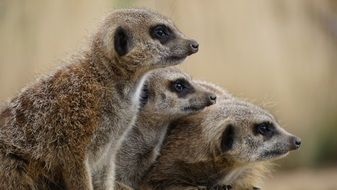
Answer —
256 188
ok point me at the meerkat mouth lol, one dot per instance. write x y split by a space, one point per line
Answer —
275 154
194 108
175 58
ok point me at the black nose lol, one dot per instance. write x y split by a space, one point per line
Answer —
296 143
194 46
212 99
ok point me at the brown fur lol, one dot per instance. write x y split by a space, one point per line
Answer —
67 126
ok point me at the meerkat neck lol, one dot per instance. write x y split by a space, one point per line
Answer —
153 120
154 126
127 80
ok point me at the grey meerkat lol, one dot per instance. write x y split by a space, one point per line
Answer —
226 146
168 95
67 126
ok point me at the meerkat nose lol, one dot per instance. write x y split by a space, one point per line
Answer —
212 98
296 143
194 46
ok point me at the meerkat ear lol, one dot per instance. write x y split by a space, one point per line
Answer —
121 41
227 138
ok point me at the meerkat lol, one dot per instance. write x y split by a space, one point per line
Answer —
68 125
223 147
168 95
252 174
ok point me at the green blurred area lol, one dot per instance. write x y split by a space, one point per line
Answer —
278 54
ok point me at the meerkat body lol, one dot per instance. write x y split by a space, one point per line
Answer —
168 95
67 126
225 146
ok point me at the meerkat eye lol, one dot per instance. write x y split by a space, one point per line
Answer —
161 33
265 129
179 87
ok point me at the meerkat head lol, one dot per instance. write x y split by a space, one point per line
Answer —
173 93
247 133
142 37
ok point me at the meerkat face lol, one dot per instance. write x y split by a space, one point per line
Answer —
252 134
247 133
172 93
143 37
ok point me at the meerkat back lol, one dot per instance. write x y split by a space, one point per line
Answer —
67 126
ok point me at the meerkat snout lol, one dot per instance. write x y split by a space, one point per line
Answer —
212 98
194 46
295 143
209 99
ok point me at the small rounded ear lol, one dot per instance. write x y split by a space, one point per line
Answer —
144 96
227 138
121 41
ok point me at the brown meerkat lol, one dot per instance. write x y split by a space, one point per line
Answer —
68 125
168 94
219 148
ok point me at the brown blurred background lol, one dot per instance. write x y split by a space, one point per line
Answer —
278 54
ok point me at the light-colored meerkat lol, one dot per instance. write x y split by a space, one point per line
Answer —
253 173
226 146
168 95
67 126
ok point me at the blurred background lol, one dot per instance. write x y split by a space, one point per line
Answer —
281 55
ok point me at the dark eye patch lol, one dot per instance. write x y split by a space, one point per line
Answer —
181 87
162 33
266 129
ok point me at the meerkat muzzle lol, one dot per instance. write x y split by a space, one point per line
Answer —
295 143
194 47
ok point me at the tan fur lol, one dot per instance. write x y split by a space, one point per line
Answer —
142 145
192 156
67 126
